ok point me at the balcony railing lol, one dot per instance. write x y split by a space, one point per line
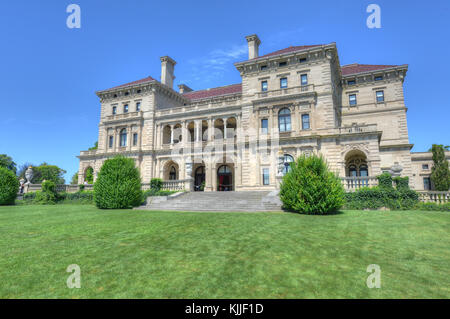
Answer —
175 185
291 90
353 183
434 197
358 129
123 116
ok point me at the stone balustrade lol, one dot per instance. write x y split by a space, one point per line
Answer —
358 129
351 184
123 116
285 91
434 197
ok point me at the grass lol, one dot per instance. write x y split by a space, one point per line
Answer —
142 254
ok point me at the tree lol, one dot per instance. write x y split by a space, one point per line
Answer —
9 186
7 162
440 173
446 147
93 147
49 173
118 184
22 169
74 180
311 188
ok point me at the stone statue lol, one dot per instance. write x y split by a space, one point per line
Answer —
29 174
396 169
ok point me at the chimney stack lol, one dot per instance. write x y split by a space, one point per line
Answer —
184 88
167 71
253 46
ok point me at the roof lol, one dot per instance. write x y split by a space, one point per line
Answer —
144 80
356 68
290 50
214 92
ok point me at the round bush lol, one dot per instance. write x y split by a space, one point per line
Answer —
118 184
310 188
9 186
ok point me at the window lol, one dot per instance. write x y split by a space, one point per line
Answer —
263 67
123 138
283 83
125 108
111 141
302 60
135 139
304 79
352 99
380 96
305 122
284 120
265 176
425 166
379 78
114 110
284 63
427 183
351 82
127 93
264 86
264 126
288 160
138 106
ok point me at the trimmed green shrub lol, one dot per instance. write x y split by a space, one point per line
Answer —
48 195
310 188
401 182
156 184
118 184
380 197
433 207
9 186
385 180
82 197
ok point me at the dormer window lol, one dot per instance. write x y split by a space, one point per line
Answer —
379 78
281 64
351 82
302 60
125 108
263 67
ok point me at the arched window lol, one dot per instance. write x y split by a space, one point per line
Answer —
352 171
363 170
284 120
288 160
224 169
123 138
173 173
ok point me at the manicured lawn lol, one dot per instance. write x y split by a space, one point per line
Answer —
141 254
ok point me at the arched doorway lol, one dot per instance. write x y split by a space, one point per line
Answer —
199 179
224 179
357 168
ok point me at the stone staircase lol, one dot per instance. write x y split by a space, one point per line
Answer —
250 201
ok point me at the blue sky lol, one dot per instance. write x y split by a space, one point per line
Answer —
49 73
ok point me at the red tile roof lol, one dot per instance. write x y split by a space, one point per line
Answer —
144 80
290 49
360 68
209 93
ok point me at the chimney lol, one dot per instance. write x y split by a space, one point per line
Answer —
167 70
184 88
253 46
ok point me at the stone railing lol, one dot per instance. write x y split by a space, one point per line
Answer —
353 183
291 90
358 129
59 188
87 153
123 116
176 185
434 197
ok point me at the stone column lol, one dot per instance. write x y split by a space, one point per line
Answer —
171 134
129 137
270 125
210 129
225 119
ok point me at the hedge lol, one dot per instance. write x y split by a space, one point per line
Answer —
379 197
9 186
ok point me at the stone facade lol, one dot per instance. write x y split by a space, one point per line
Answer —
294 101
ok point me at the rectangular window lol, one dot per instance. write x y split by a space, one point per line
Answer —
265 176
425 166
138 106
264 126
380 96
114 110
352 99
111 141
283 83
125 108
379 78
351 82
264 86
263 67
304 79
427 183
305 122
284 63
302 60
135 139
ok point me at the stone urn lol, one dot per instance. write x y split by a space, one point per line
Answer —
29 174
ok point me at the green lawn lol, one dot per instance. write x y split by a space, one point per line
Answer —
142 254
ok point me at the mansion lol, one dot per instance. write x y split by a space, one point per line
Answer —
298 100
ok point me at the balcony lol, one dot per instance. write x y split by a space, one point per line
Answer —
88 153
352 184
123 116
354 129
287 91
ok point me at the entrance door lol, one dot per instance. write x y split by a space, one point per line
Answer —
199 179
225 179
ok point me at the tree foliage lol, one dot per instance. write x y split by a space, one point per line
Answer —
9 186
440 173
311 188
74 180
49 173
93 147
118 184
7 162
